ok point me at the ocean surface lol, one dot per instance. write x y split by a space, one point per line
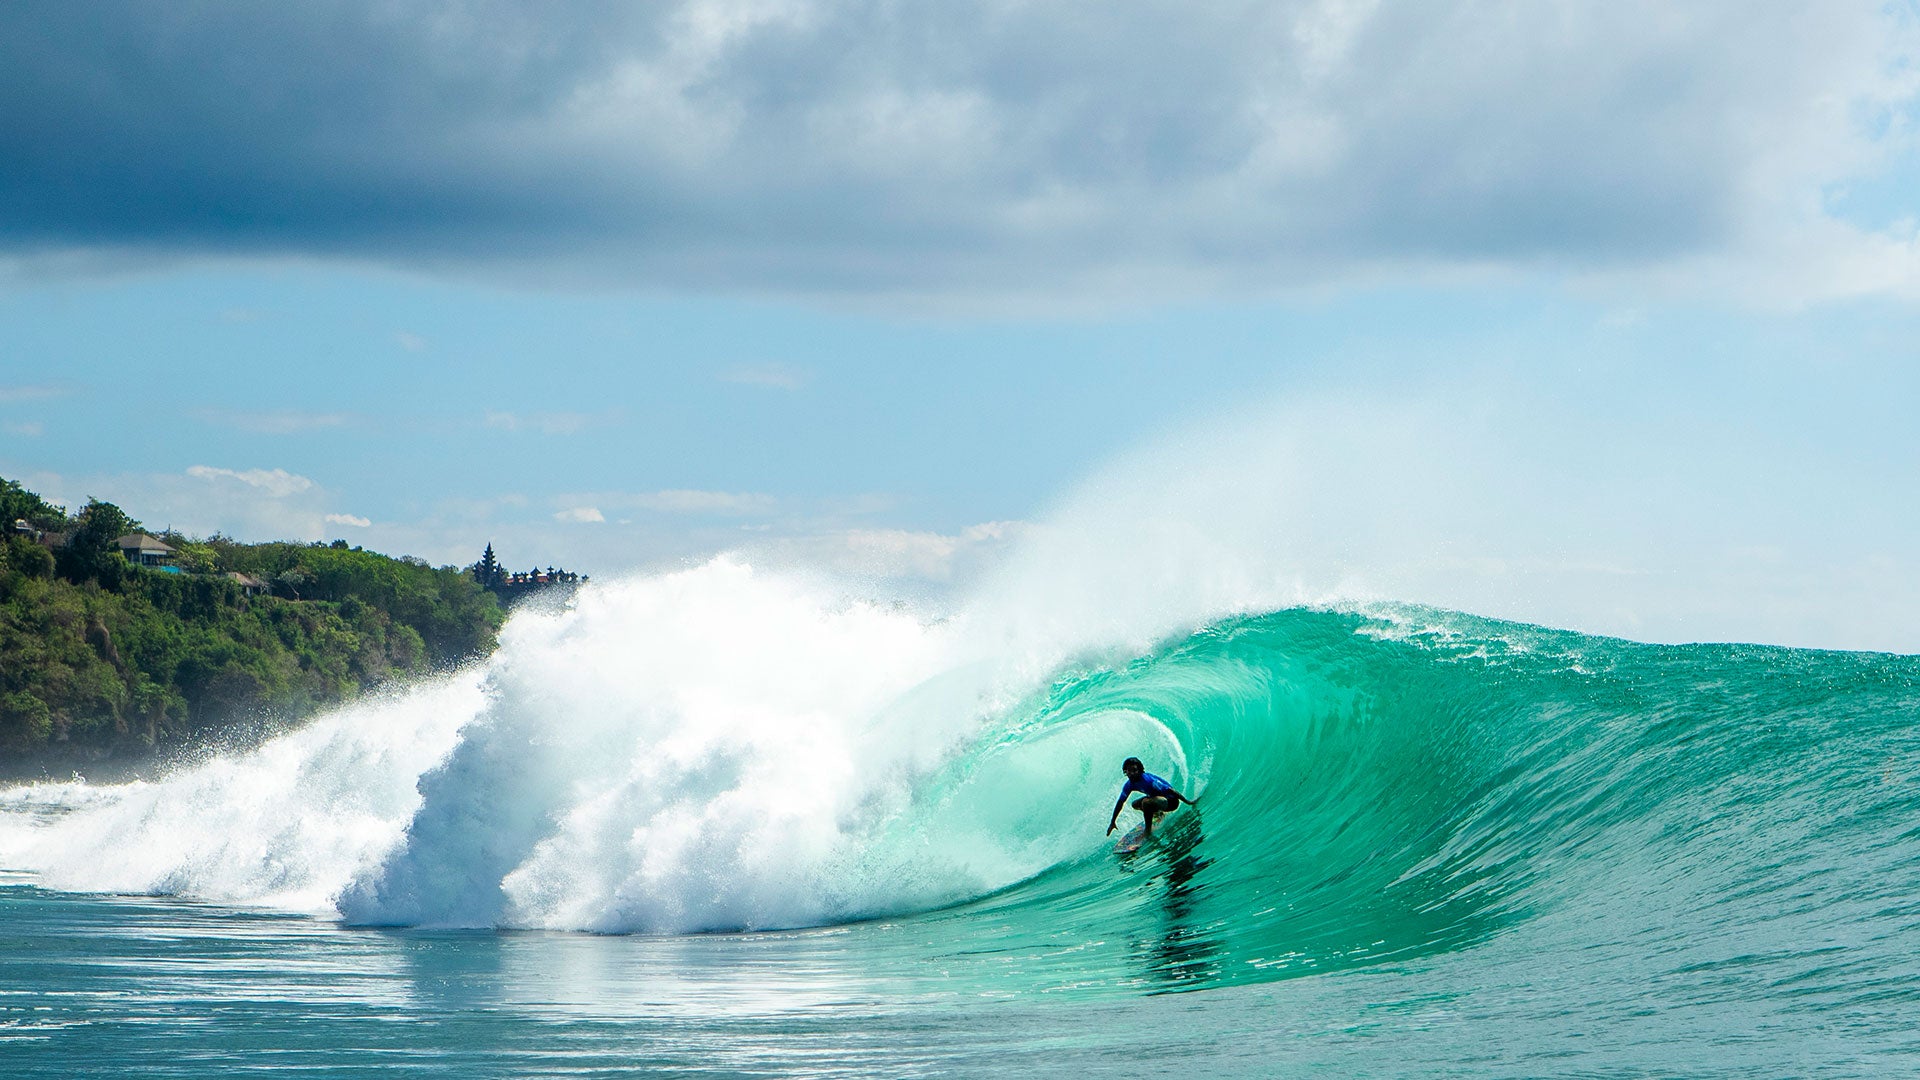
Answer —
728 823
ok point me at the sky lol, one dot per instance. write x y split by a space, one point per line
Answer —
1600 314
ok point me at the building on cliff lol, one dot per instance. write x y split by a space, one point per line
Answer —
510 586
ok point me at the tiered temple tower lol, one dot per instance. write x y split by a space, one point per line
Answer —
510 587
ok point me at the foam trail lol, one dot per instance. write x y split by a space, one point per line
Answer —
288 824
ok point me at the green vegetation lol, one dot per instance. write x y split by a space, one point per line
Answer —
104 659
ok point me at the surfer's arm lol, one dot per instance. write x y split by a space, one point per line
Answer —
1117 804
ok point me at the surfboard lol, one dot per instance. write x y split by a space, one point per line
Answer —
1133 839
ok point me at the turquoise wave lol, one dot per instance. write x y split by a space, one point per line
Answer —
1503 850
1389 787
1380 790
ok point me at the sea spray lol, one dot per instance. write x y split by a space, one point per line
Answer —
716 748
711 749
287 824
1466 495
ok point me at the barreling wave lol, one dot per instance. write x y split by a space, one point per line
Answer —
722 750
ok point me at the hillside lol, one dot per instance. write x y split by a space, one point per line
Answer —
108 663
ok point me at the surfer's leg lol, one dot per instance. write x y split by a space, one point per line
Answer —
1150 807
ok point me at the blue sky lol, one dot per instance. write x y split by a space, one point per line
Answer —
883 288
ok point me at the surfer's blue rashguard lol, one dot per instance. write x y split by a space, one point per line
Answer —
1147 784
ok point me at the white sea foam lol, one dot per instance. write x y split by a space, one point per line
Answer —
285 825
708 749
677 752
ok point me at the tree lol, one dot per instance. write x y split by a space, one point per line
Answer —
25 722
288 583
21 555
19 504
195 558
99 526
93 544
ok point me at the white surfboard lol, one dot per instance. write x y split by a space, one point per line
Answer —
1132 840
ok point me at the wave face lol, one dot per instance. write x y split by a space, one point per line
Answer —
720 750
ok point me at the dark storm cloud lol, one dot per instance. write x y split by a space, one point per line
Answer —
281 127
861 145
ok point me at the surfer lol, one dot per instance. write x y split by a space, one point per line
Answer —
1156 795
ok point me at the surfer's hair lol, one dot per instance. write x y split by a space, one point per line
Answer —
1131 763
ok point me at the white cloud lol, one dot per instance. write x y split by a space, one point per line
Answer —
676 501
992 531
410 341
274 483
900 555
354 520
930 555
548 423
26 429
9 394
1807 262
275 421
683 501
580 514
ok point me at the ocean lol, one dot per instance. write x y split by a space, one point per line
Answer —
731 822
